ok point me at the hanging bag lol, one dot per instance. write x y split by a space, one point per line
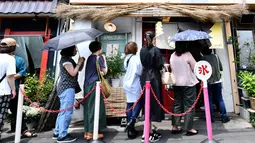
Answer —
167 77
104 83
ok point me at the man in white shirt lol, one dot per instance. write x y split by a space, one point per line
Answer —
7 72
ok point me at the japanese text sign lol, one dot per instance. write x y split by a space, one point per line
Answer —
203 70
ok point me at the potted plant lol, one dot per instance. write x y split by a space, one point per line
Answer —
248 83
32 116
38 92
115 69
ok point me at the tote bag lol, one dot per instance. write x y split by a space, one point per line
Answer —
105 85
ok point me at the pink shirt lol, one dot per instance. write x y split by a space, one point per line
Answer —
182 69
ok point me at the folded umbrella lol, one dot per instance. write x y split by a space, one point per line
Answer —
71 38
190 35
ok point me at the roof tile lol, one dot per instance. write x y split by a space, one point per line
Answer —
28 6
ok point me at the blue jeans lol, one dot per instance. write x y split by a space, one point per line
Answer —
64 118
215 92
133 114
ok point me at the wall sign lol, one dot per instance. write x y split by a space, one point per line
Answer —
113 43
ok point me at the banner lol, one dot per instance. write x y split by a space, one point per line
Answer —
164 32
217 37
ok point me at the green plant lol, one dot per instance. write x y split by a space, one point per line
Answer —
115 66
253 58
248 56
252 119
248 82
36 90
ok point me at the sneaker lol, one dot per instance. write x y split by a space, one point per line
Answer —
225 120
55 137
66 139
153 138
156 133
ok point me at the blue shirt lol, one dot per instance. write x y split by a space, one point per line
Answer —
20 69
91 74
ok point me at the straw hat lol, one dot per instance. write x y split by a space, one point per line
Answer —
110 27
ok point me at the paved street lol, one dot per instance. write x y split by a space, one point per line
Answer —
236 131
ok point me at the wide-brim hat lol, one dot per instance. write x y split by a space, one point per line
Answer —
110 27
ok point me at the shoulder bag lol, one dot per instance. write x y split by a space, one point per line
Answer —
104 83
2 78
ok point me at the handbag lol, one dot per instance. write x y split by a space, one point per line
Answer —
167 77
104 83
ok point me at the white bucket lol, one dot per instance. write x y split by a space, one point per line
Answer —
115 82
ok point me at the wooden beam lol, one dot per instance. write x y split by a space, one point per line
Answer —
232 69
87 2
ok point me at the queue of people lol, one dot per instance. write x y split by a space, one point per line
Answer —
182 65
139 69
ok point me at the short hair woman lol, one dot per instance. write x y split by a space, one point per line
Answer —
132 86
91 77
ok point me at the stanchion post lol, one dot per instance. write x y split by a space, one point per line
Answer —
96 115
147 113
208 116
19 115
203 71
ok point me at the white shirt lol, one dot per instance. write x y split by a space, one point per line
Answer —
131 84
8 67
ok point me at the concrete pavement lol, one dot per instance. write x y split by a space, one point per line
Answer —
236 131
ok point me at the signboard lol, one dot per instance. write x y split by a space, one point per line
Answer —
203 70
113 43
217 36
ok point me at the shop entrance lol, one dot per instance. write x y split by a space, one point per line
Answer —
165 30
149 24
30 49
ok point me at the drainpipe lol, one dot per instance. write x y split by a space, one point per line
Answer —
56 56
133 29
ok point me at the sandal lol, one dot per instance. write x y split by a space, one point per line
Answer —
32 134
189 133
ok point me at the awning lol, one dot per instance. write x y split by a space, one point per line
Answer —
109 12
8 7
